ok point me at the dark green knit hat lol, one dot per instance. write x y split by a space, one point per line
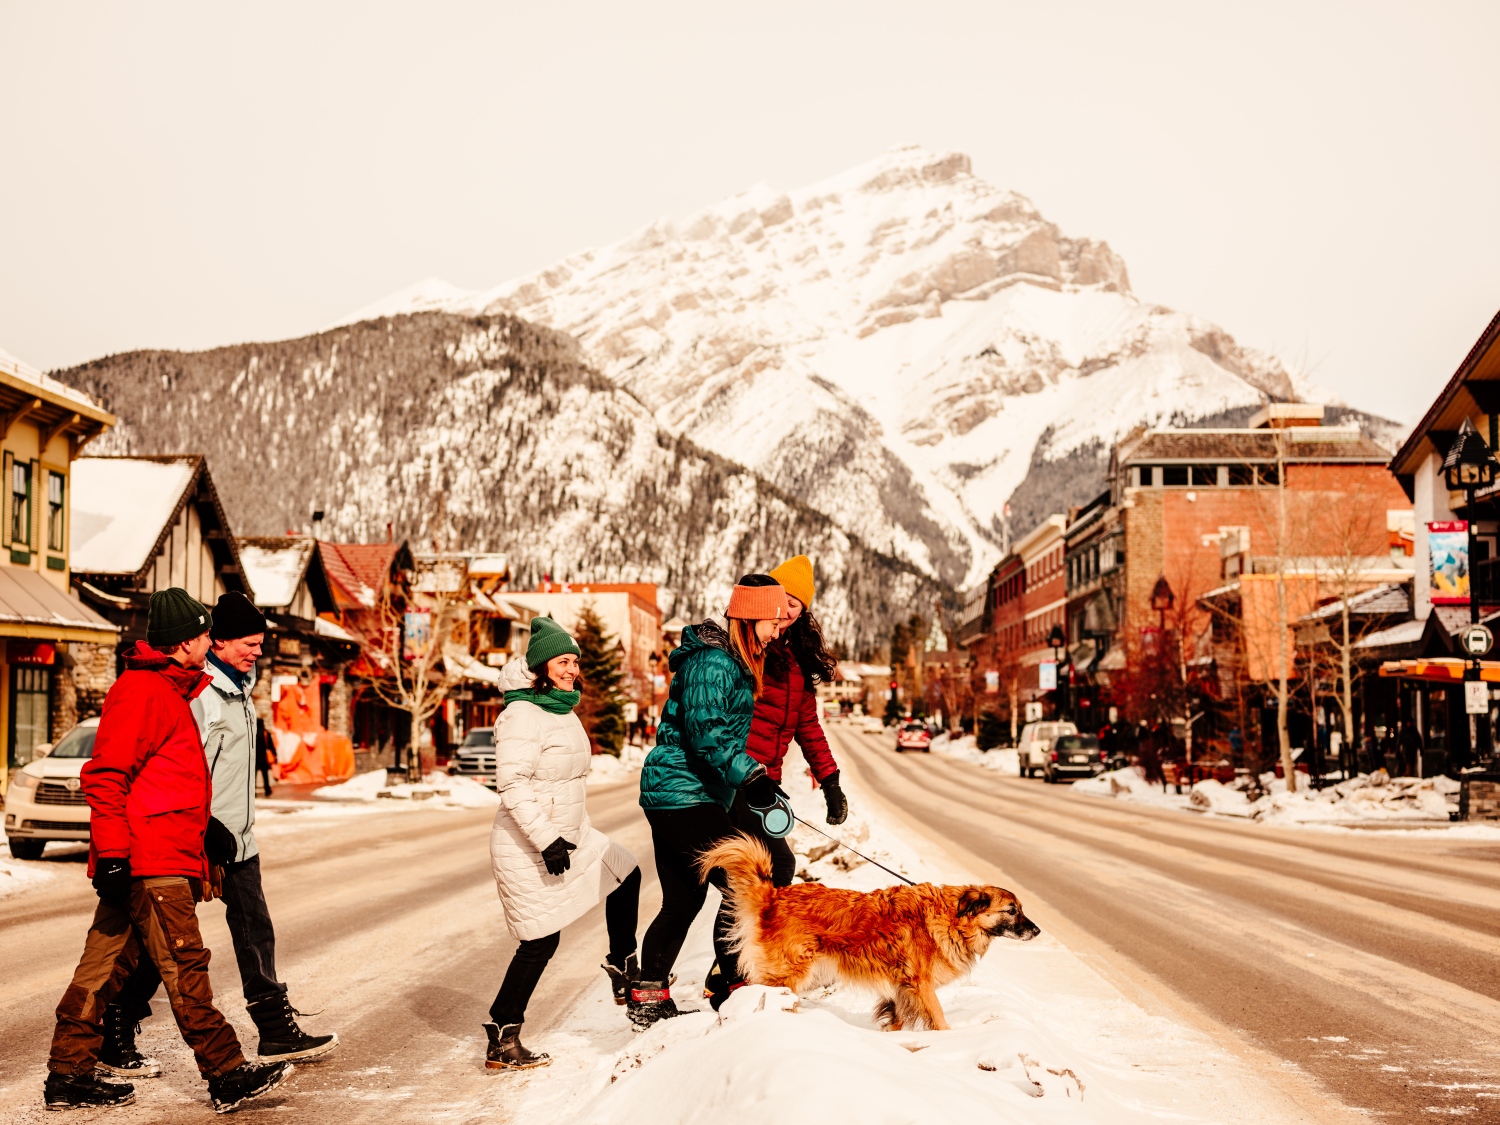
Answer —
175 616
548 639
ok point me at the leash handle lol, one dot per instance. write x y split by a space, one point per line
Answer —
846 847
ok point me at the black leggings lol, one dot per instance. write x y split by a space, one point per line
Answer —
621 912
679 837
783 862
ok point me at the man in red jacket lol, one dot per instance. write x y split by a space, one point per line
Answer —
149 793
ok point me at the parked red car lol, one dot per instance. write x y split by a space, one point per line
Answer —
913 736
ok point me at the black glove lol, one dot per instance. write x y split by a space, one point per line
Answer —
760 791
219 843
112 881
838 804
555 856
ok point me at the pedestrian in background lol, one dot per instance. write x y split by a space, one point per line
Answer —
551 865
691 778
229 728
266 753
149 793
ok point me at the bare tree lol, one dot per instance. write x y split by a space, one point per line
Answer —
411 628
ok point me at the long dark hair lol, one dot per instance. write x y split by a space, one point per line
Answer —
803 640
748 648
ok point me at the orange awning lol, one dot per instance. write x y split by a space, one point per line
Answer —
1441 670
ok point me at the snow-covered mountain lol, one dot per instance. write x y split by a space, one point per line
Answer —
901 347
489 433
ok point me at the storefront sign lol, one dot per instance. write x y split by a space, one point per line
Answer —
992 683
31 652
1046 676
1448 561
416 634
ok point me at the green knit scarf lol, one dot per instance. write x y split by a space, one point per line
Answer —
557 702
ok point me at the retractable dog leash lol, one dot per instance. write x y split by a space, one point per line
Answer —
846 847
776 818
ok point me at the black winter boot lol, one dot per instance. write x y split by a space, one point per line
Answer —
248 1080
117 1055
280 1037
79 1091
506 1052
650 1001
621 977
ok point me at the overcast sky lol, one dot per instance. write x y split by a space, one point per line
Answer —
1321 179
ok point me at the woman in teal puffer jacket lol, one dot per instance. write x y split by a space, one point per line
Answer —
690 779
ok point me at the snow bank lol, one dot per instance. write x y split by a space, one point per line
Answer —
1360 801
1006 761
606 769
1037 1037
23 875
437 790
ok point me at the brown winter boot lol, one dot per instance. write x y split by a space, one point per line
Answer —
506 1051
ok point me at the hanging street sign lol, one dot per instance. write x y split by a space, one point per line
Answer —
1477 640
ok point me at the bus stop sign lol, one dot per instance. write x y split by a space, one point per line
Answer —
1477 640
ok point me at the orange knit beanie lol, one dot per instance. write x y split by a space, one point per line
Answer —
757 597
796 575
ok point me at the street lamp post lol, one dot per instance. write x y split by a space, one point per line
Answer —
1468 467
1057 640
1162 600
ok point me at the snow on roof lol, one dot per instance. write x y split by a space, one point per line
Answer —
1388 597
274 567
23 370
358 570
486 565
1408 632
120 506
326 628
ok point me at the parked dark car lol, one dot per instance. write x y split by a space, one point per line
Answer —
475 758
913 736
1073 755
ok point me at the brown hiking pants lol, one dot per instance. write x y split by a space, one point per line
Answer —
161 922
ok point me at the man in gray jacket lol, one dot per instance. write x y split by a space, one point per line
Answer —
227 721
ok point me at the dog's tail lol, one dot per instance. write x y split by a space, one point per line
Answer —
747 865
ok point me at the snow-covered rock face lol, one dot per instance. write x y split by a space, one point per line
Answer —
894 346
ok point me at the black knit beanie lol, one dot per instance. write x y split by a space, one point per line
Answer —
236 616
174 616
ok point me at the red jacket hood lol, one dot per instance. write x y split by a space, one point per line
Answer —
188 681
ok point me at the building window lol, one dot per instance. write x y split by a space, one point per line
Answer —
56 512
1174 476
20 503
1269 475
30 707
1241 476
1205 476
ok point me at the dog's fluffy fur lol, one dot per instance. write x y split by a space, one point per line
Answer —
903 942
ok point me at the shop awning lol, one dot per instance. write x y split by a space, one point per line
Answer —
32 607
1439 670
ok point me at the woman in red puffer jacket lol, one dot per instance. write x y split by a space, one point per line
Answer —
788 708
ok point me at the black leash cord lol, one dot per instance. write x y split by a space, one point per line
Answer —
867 859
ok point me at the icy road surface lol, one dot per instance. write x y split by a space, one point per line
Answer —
1365 961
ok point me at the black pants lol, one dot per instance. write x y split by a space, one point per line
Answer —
621 913
678 837
783 862
254 944
263 774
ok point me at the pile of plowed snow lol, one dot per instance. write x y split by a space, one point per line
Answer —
1365 799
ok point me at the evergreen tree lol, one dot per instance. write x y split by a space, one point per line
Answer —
602 707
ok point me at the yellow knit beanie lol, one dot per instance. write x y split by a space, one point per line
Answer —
796 577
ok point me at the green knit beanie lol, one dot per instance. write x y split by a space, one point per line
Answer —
548 639
175 616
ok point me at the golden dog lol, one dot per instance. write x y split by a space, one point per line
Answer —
903 942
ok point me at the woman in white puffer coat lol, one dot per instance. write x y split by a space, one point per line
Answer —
551 865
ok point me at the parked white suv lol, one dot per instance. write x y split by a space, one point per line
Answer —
1036 744
45 800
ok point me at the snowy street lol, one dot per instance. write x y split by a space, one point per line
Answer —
1364 960
1277 967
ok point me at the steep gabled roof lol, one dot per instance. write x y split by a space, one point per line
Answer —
277 565
123 508
1473 389
358 572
